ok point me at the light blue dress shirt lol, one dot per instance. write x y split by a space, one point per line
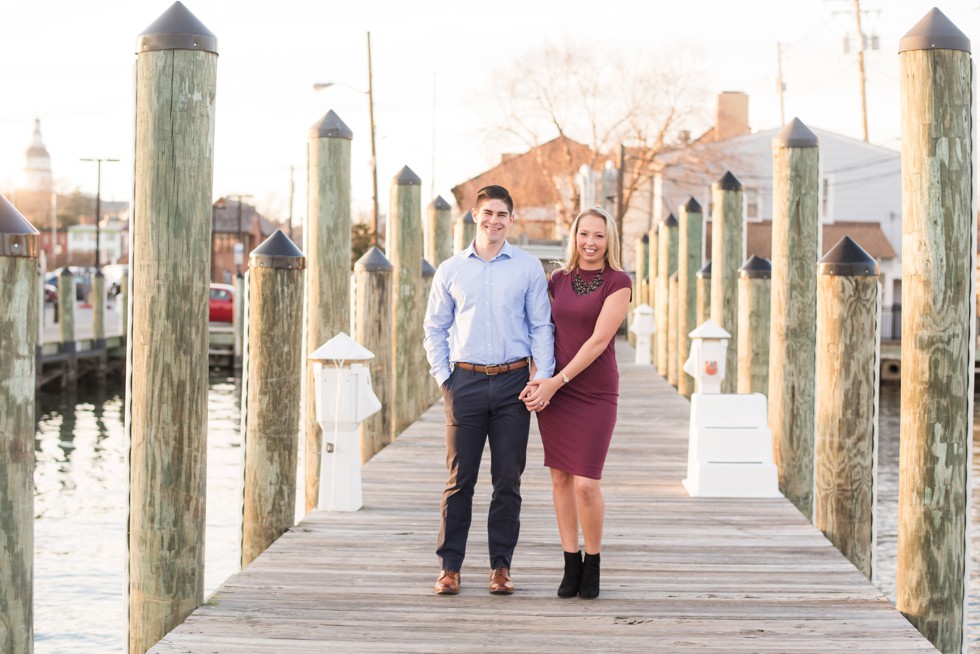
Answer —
489 312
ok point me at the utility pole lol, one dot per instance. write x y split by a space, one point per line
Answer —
292 189
620 195
241 241
374 161
432 173
780 87
98 209
860 57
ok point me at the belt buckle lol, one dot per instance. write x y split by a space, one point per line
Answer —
496 370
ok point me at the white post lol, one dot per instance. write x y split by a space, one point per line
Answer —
344 398
643 328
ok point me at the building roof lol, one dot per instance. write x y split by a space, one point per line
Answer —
529 176
758 238
226 218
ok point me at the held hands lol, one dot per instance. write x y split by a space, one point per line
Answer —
538 392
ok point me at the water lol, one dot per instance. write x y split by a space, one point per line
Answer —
81 512
81 509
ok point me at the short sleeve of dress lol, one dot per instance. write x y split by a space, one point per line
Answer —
551 282
617 280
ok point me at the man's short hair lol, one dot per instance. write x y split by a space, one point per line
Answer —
494 192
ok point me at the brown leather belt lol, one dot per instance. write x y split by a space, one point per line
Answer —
493 369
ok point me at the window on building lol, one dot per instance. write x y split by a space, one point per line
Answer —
752 204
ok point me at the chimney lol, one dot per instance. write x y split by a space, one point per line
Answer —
733 115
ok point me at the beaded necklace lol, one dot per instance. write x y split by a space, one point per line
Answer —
581 287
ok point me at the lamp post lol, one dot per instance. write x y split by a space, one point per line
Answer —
98 209
241 241
374 161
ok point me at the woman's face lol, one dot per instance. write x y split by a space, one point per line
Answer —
590 241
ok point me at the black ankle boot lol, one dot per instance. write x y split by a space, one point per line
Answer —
573 574
589 586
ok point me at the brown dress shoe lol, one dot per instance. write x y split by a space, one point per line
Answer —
500 583
448 583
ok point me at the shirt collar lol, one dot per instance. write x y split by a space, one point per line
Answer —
506 251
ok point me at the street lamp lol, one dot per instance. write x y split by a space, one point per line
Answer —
374 161
98 209
240 246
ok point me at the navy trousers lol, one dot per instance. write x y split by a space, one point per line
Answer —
481 407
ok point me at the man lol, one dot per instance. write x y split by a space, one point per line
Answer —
487 328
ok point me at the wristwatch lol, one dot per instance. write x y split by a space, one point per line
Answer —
564 376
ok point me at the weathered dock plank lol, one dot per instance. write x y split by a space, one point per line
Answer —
679 574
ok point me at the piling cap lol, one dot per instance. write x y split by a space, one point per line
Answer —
439 204
177 29
729 182
795 135
674 276
66 272
709 329
848 259
705 273
468 218
406 177
756 268
18 238
692 206
374 260
277 251
669 221
646 239
934 32
427 269
341 349
331 127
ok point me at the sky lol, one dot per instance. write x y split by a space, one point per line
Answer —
71 64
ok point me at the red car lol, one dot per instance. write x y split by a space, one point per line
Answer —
222 303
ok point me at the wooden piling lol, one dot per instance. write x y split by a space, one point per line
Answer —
167 385
938 266
407 303
66 326
438 232
123 301
703 295
271 391
793 326
98 322
848 303
653 267
372 329
643 273
428 390
19 246
328 253
672 324
754 291
727 254
689 246
666 266
238 319
464 231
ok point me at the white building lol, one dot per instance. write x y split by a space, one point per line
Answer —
81 239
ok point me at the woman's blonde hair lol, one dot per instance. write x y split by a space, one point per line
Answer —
612 241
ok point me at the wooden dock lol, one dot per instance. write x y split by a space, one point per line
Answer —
679 574
53 357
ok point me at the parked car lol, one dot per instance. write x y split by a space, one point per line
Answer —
222 307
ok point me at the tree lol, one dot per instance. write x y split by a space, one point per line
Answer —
602 99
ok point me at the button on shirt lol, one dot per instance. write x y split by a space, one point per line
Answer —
489 312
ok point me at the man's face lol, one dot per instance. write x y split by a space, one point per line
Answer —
492 220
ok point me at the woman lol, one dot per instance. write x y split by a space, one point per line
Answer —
576 408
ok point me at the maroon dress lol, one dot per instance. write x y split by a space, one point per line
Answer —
577 425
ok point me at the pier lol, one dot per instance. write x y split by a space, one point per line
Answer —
679 573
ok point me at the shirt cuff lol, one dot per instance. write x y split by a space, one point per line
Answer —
543 374
442 376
